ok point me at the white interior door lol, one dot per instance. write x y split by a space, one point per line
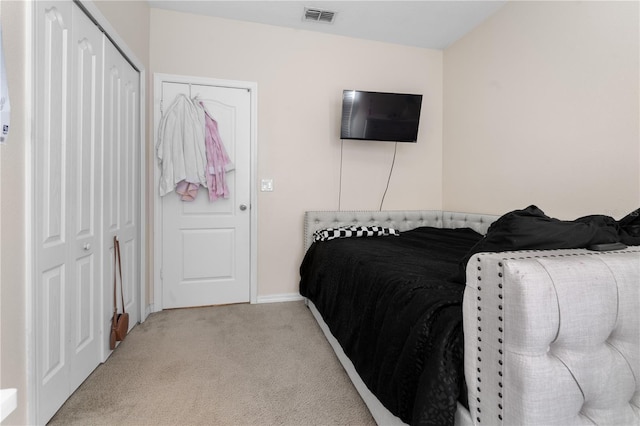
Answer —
68 122
121 183
206 245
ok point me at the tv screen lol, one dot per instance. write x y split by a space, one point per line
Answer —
380 116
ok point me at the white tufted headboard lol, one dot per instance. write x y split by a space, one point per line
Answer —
402 220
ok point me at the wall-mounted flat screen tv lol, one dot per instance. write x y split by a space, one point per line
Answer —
379 116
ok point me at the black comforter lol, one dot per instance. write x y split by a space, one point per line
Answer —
391 304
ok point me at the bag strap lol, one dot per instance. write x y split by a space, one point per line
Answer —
117 262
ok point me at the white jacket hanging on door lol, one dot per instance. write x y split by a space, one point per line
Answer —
180 146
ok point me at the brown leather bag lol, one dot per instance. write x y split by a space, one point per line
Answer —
119 322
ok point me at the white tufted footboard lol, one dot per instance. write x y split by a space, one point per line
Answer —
552 337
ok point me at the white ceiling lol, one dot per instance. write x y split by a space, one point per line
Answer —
426 23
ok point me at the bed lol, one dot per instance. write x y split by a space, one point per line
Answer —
548 337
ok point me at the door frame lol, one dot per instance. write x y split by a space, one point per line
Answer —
101 21
252 87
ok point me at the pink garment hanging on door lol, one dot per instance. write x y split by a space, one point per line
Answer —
188 191
218 162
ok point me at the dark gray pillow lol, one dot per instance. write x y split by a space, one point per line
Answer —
531 229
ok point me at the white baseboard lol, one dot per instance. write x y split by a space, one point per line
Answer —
283 297
148 311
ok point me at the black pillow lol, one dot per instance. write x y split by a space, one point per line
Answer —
531 229
630 228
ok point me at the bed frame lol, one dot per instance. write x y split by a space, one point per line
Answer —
552 337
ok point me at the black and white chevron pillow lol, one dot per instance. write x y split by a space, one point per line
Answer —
353 231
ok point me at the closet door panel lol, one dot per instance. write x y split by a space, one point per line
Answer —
87 122
53 319
54 124
121 181
130 140
53 35
111 145
85 294
112 142
130 188
68 84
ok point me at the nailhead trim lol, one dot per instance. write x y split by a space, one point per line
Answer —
479 369
501 331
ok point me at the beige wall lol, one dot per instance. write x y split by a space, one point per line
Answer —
130 20
300 77
541 107
13 220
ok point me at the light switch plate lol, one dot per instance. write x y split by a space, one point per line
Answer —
266 185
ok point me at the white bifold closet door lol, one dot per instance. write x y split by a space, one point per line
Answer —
70 235
122 198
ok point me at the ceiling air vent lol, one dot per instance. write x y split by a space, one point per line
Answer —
318 15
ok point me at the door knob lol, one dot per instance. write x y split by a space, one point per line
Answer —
87 246
243 207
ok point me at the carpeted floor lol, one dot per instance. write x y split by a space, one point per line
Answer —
266 364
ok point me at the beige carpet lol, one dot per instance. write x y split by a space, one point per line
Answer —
266 364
